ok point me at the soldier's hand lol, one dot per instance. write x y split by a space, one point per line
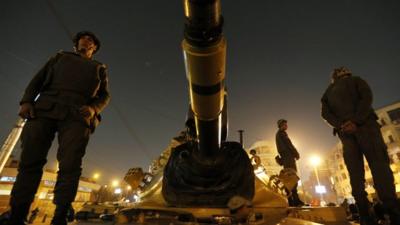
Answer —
26 111
87 111
349 127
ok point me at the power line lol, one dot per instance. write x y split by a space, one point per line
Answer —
131 131
19 58
59 19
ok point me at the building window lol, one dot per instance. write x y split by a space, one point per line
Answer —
366 168
341 166
8 179
391 139
383 122
369 182
344 176
394 115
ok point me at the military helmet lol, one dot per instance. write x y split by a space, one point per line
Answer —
281 122
253 151
340 72
88 33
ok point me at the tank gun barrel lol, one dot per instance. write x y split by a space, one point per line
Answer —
203 25
202 174
204 50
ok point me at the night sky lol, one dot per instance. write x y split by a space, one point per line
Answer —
280 55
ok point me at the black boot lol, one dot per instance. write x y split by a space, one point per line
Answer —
60 215
18 214
366 215
392 207
295 198
299 203
394 219
367 221
291 201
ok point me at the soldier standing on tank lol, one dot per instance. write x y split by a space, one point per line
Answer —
255 159
288 156
347 107
73 89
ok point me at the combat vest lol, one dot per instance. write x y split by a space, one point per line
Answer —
72 80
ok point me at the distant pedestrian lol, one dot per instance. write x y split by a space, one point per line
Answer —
255 159
288 156
347 107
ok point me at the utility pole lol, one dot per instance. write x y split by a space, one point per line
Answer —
241 137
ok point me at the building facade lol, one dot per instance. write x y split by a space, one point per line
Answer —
44 196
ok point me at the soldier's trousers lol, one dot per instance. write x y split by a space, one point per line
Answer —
367 141
36 137
293 199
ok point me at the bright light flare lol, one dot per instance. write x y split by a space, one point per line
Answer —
320 189
136 198
118 191
96 176
315 160
115 183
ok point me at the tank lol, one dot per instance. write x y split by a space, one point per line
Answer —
201 178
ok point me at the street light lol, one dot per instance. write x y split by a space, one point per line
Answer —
115 183
96 176
315 162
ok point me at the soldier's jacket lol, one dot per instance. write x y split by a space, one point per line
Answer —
286 149
348 98
65 83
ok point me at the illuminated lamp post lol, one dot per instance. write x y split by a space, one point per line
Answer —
320 189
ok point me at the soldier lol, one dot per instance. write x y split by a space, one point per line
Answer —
347 107
255 159
288 156
73 90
